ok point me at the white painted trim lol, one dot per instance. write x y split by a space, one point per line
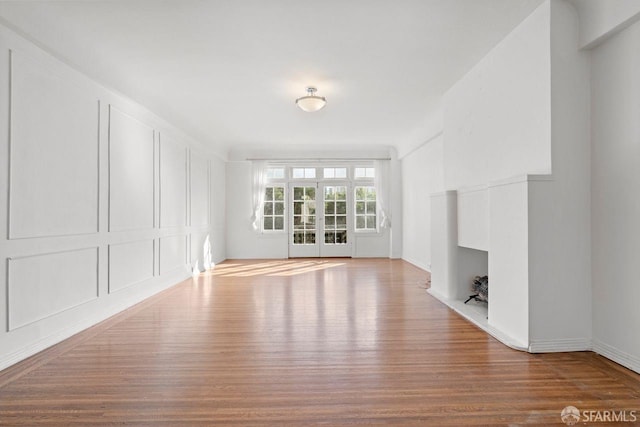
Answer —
625 359
560 346
473 189
521 178
444 193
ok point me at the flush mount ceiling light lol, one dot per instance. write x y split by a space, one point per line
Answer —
311 102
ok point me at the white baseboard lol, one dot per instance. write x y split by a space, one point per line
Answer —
98 316
622 358
420 265
560 345
46 342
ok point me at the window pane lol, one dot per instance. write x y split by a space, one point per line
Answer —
311 208
278 193
341 207
360 193
360 208
310 193
329 193
330 222
278 223
329 237
278 208
268 208
329 173
371 207
297 172
341 172
310 172
275 173
268 223
310 238
298 192
360 222
365 172
371 193
329 208
310 222
268 193
341 222
341 193
341 237
297 223
371 222
298 238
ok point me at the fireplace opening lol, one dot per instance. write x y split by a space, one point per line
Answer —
479 289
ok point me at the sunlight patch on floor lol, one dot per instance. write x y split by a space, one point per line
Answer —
280 268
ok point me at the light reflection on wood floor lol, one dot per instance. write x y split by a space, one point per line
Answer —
302 342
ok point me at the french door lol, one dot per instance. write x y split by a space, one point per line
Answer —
320 223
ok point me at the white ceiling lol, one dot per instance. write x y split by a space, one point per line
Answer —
228 71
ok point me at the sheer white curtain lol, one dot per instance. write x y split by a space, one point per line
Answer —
258 187
381 183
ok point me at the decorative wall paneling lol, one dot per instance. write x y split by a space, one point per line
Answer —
51 120
131 173
102 203
130 263
43 285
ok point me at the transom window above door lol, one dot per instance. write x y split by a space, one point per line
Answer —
303 173
333 173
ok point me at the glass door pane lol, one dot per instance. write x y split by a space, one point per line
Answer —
336 234
304 216
304 222
335 215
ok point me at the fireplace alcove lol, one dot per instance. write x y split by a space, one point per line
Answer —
460 252
516 232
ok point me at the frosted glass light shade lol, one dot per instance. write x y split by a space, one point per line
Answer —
311 102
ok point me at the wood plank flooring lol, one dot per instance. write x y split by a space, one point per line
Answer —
307 342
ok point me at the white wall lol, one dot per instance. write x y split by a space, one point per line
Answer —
508 260
615 126
560 242
600 19
242 240
218 209
102 203
422 175
497 117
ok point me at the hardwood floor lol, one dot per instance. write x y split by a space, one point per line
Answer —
306 342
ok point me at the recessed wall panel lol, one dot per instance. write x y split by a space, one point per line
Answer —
43 285
199 190
173 253
54 153
130 263
131 173
173 183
